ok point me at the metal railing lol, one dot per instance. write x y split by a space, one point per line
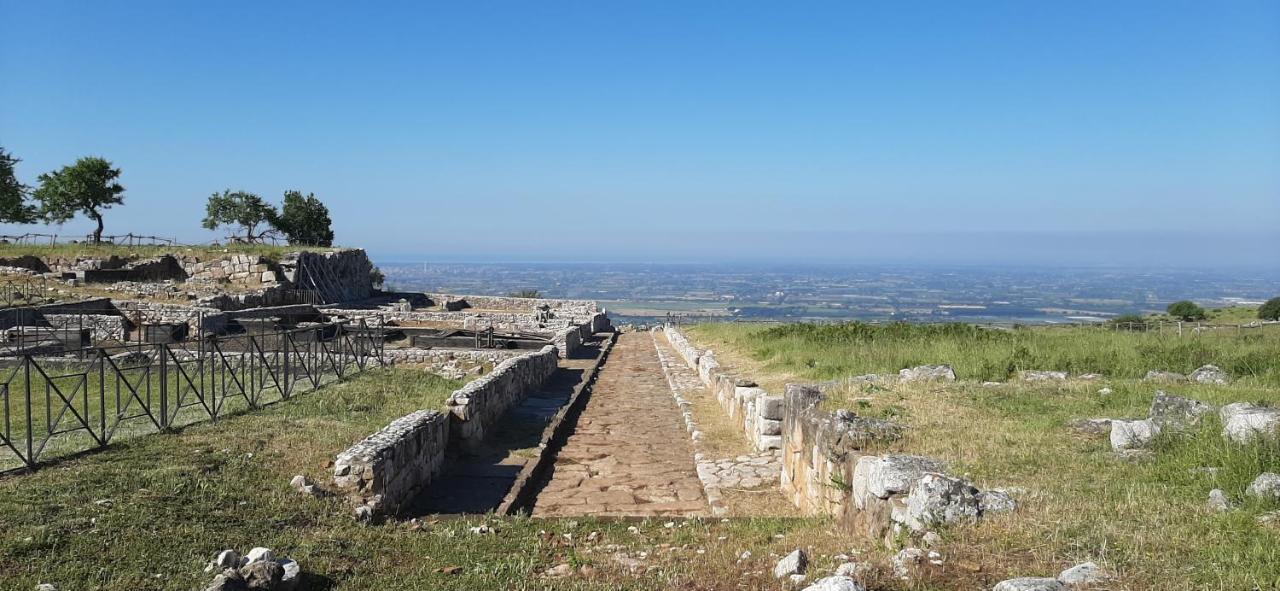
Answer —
22 291
55 407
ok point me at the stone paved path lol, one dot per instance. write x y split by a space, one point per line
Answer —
629 454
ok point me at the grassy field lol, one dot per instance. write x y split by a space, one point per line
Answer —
822 352
150 512
1145 521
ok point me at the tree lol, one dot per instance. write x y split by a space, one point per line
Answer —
14 208
1129 322
243 209
531 294
88 187
1186 310
1270 310
305 220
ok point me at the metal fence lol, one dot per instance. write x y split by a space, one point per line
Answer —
53 407
22 291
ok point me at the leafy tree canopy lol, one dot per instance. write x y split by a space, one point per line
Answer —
1186 310
1270 310
14 208
242 210
305 220
88 187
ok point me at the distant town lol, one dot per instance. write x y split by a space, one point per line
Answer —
996 295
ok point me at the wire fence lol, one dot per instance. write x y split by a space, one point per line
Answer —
54 407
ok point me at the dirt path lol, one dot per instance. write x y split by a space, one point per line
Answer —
629 454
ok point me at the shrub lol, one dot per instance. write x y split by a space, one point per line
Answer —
1129 322
1270 310
1186 310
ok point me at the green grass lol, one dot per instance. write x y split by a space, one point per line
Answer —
1145 521
149 513
822 352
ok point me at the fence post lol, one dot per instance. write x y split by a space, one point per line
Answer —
26 375
164 387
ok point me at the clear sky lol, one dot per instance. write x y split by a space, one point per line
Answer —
1016 131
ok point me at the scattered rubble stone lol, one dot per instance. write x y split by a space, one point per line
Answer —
1029 584
994 501
1089 377
1104 391
936 499
1210 374
1218 500
906 561
1133 434
1243 422
931 539
1175 413
1265 486
884 476
560 570
836 583
853 569
1086 573
1163 376
927 373
262 574
795 563
1037 375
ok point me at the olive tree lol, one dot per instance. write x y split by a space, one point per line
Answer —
87 187
240 209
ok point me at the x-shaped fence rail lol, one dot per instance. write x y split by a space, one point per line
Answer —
60 406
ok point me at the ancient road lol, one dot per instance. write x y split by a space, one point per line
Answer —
629 454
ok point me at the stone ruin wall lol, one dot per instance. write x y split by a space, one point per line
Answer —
481 403
388 469
757 412
830 465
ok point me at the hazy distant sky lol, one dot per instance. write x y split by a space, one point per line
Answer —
1017 131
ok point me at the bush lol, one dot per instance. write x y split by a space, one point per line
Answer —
531 294
1186 310
1270 310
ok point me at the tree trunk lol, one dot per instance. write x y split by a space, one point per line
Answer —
97 234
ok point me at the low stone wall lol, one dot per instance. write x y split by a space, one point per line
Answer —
432 356
239 269
758 412
101 326
567 341
480 403
506 322
583 307
386 470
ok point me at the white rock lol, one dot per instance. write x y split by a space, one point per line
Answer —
259 553
852 569
936 499
836 583
797 579
795 563
906 561
46 587
1265 486
885 476
931 539
1243 423
927 373
1218 500
991 502
1133 434
1029 584
1086 573
1104 391
292 574
226 559
1210 374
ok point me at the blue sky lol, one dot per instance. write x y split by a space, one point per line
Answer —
1033 132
